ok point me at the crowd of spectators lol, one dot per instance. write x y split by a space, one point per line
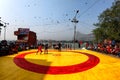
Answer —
111 47
107 46
7 48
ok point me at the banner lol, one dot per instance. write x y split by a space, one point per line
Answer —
23 30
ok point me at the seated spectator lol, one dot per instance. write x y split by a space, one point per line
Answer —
109 49
116 50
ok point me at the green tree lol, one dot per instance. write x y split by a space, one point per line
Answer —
109 23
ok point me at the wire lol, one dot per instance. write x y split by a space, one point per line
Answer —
68 29
88 8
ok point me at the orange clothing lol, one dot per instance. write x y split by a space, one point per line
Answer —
40 48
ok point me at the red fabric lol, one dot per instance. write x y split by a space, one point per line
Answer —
81 42
20 61
39 48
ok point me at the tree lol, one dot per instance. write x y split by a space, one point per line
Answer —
109 24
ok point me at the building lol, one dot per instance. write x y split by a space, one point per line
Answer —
26 37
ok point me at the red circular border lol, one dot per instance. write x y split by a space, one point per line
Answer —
20 61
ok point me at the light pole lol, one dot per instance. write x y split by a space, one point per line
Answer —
75 21
0 26
5 30
5 24
0 31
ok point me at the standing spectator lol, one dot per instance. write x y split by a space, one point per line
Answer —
46 49
70 46
87 44
80 43
59 46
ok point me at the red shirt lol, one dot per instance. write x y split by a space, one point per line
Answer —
40 48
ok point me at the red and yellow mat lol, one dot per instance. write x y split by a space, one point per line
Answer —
64 65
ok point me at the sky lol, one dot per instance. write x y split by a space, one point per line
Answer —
51 19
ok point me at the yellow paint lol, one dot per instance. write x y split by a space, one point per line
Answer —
57 58
107 69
